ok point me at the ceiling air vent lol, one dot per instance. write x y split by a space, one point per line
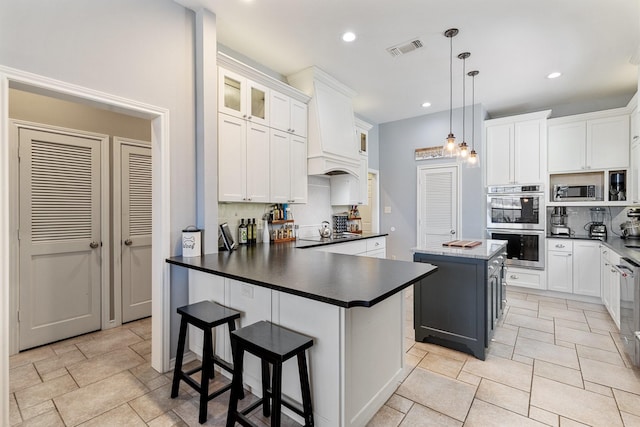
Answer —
406 47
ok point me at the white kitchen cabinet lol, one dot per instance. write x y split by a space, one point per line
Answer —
610 281
633 184
584 142
287 114
573 266
243 173
516 149
586 268
560 265
288 168
347 189
362 136
374 247
525 278
241 97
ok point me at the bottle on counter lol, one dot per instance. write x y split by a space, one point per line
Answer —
254 232
249 232
242 233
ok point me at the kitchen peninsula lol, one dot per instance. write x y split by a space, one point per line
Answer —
459 306
351 305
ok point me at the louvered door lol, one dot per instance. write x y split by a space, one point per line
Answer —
60 242
437 205
136 232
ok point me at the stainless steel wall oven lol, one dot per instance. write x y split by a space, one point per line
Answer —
525 248
515 213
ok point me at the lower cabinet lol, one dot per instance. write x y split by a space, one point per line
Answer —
573 266
525 278
610 280
374 247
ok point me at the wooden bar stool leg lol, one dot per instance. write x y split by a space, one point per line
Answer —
236 384
306 390
232 327
207 367
276 394
266 383
177 371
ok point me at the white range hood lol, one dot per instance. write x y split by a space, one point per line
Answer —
332 145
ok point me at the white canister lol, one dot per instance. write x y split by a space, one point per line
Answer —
191 241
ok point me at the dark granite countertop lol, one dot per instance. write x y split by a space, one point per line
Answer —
342 280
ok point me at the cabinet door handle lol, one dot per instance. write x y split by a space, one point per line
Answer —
513 276
559 246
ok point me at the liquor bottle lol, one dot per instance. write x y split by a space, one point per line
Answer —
249 232
242 233
254 232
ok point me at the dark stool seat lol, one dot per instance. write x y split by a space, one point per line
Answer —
205 315
274 345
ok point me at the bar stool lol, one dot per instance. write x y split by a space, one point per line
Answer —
204 315
273 345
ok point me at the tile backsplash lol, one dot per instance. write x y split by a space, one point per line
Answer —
579 217
308 216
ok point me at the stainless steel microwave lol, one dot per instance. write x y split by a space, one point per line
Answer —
574 193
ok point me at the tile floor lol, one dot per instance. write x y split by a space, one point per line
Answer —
554 362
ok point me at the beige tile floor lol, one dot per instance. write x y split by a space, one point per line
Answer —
553 362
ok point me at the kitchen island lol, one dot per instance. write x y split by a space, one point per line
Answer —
352 306
459 306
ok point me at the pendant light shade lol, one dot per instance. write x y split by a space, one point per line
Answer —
450 146
473 156
464 148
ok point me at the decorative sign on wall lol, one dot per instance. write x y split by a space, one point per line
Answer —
429 153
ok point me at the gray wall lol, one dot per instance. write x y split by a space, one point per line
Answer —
398 176
141 50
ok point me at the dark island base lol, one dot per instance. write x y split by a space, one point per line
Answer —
458 306
453 345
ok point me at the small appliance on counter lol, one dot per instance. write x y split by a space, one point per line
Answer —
559 222
617 186
597 229
631 229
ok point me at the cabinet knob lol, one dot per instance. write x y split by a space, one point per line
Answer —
452 231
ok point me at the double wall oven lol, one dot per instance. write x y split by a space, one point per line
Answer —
515 213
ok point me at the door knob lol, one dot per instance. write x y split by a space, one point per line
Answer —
93 245
128 242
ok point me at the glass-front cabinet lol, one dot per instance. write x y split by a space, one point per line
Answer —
243 98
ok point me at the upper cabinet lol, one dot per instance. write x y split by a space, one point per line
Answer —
633 188
288 115
590 141
262 144
593 150
242 97
516 149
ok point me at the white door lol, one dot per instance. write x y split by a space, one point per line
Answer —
60 241
135 239
437 204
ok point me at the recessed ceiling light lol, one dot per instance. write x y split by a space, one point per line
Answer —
426 104
554 75
348 36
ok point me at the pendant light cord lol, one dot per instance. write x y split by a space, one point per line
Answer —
451 84
464 73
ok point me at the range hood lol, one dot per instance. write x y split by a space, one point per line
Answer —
332 146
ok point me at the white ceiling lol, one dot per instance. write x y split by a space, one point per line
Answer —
513 43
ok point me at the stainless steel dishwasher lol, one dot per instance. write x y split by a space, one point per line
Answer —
630 308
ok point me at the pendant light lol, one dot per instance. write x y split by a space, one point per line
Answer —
451 139
464 148
473 156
